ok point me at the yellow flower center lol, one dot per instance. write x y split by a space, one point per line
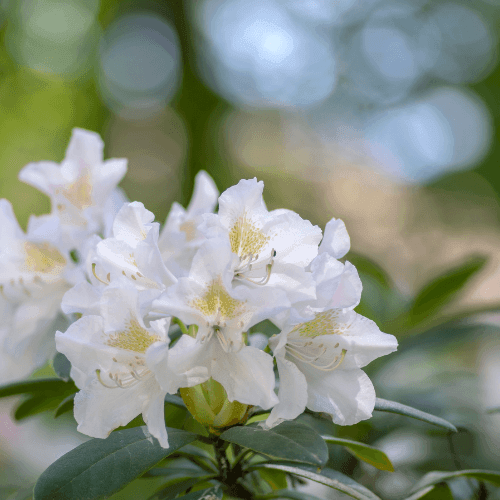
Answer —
216 302
43 258
246 238
324 323
133 338
80 192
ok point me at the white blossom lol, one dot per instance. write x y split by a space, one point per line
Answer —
132 251
320 360
222 313
35 272
272 248
82 189
180 238
112 355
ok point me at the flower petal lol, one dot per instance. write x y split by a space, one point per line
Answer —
154 416
347 395
99 410
43 175
82 298
85 148
246 375
204 197
185 365
292 393
336 241
132 223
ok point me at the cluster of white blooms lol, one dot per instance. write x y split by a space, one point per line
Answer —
215 274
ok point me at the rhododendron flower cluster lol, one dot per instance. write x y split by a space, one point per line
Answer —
117 288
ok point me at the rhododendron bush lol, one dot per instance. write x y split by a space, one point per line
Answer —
241 319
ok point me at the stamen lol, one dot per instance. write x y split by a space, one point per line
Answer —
223 341
98 373
311 360
332 366
97 277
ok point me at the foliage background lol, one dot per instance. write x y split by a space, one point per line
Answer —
397 136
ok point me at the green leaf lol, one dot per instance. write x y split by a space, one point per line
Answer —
49 397
100 467
284 493
408 411
491 411
442 289
37 386
172 489
433 478
275 478
369 267
176 472
214 493
328 477
20 494
289 440
364 452
65 405
35 405
173 399
61 366
438 492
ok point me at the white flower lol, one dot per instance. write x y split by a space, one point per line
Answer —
35 272
83 188
131 252
320 360
207 299
273 248
112 355
180 237
336 241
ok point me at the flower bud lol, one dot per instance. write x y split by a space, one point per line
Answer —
209 405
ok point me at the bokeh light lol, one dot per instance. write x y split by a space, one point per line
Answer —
257 54
140 65
446 130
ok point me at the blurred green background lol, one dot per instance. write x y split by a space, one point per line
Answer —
382 113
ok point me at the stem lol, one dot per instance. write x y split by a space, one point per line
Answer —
230 476
240 459
222 461
182 326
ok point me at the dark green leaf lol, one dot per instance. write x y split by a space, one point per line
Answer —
328 477
176 472
293 494
438 492
214 493
433 478
49 397
100 467
61 366
408 411
289 440
442 289
173 399
65 405
35 405
172 489
275 478
368 454
38 387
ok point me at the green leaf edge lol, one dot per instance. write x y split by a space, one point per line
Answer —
408 411
351 446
